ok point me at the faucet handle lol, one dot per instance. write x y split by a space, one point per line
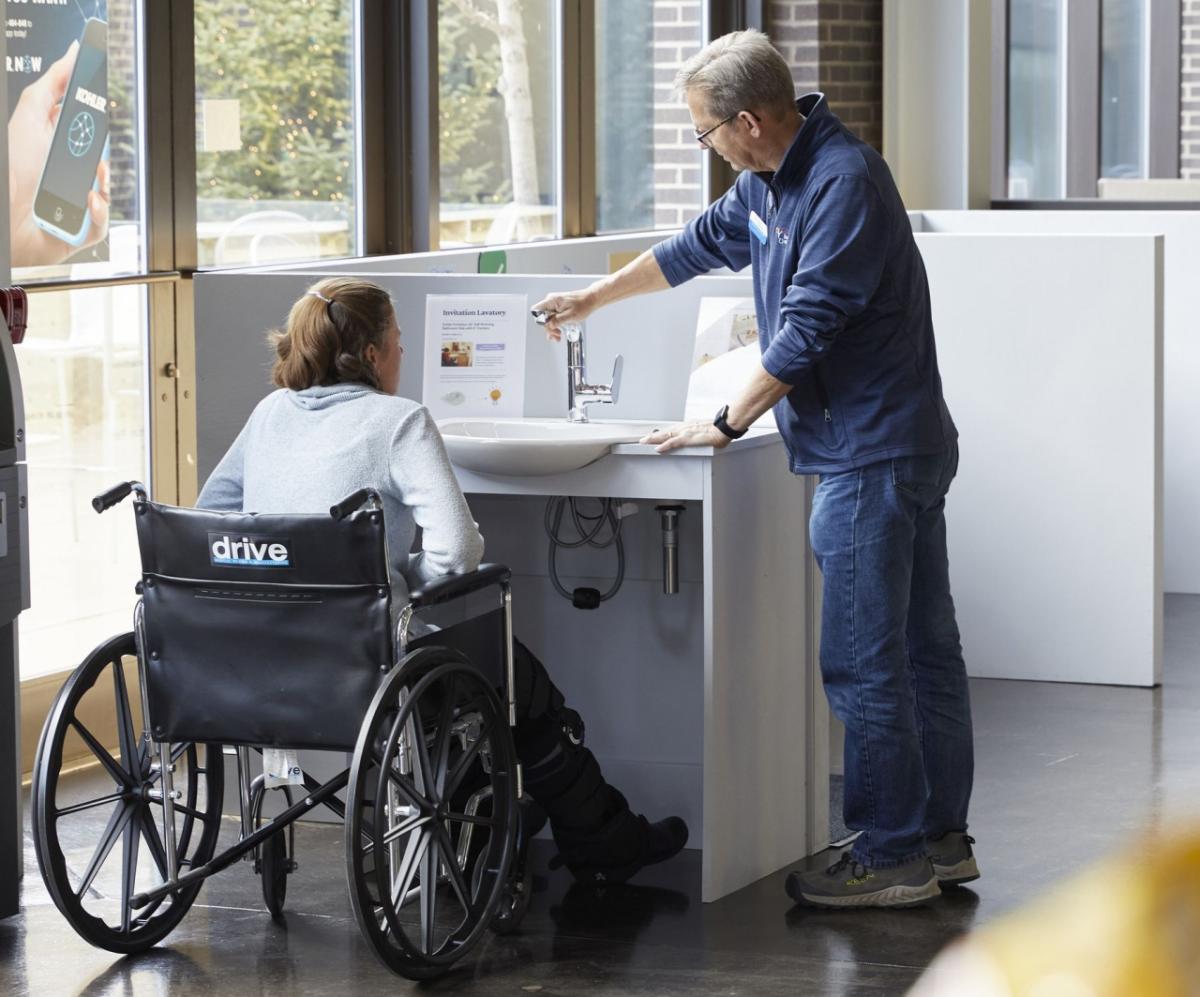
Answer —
618 366
572 332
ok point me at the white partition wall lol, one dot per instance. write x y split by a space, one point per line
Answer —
1051 350
655 335
1051 358
593 254
1181 350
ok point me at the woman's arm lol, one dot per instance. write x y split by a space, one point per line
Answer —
223 490
451 542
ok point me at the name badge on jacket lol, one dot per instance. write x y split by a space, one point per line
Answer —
758 228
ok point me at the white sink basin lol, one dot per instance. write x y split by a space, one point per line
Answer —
534 446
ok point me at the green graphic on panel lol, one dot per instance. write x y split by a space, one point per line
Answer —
493 261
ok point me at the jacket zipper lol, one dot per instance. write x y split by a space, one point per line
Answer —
822 395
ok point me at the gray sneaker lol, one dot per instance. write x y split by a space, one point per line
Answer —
952 857
848 883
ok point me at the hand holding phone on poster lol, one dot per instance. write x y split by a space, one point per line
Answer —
58 200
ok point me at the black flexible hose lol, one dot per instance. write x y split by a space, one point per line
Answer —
555 508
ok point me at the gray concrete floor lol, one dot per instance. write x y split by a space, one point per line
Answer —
1065 774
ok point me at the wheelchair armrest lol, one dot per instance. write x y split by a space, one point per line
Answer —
455 586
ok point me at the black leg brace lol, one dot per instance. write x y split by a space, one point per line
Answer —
591 820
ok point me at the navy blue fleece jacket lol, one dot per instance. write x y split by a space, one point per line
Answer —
841 295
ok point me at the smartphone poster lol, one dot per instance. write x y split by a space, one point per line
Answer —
59 124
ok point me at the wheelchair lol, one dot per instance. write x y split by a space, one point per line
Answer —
256 631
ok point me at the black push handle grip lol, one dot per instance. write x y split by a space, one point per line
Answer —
352 502
106 500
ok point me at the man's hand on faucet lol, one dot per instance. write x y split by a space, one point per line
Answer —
564 307
687 434
638 277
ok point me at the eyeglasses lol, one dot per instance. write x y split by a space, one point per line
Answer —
702 137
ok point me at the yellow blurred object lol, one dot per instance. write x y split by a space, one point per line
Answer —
1130 927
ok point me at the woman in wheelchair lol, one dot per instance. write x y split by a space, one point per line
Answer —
337 425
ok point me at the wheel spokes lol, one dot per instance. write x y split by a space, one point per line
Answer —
414 798
116 824
408 826
429 877
119 775
489 822
76 808
129 857
417 846
154 842
454 873
443 735
183 808
421 761
463 765
130 755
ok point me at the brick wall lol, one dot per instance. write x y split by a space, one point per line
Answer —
837 47
834 47
1189 104
677 158
793 27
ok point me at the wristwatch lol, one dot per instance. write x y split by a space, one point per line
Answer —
724 427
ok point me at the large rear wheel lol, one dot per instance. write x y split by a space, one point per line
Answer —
92 880
435 726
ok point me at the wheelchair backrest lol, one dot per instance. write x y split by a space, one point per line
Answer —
263 629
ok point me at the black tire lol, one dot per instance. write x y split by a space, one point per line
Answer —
432 690
136 819
275 855
274 866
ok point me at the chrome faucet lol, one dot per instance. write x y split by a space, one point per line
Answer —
580 394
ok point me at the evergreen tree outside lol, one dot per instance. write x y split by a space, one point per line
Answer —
288 64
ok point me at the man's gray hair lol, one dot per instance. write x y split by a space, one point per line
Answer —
738 71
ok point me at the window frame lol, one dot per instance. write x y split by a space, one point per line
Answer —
400 107
1080 75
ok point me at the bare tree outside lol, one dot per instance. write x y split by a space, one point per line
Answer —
489 65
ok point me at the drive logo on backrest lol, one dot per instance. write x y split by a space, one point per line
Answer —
229 551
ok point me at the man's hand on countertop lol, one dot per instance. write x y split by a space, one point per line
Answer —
687 434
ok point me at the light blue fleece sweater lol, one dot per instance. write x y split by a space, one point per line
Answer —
303 451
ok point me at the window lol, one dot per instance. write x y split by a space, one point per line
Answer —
497 139
649 169
1035 99
75 174
1123 147
83 371
1094 91
276 131
76 195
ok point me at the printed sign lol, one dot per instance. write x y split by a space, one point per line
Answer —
475 355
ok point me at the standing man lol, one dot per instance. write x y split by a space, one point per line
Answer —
849 367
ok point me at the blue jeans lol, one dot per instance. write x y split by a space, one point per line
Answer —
890 653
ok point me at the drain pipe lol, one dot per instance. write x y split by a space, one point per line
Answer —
669 514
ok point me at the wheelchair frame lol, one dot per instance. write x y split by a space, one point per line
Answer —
406 755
